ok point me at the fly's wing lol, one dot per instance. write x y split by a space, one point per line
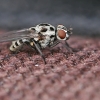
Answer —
14 35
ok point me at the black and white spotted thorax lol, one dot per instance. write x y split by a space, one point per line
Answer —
48 31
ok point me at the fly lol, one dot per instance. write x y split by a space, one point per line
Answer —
38 37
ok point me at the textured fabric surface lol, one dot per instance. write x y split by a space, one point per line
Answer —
66 76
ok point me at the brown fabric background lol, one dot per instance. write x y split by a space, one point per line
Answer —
66 76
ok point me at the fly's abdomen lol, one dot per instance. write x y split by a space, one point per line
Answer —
16 45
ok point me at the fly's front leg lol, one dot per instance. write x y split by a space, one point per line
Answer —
70 49
66 45
53 45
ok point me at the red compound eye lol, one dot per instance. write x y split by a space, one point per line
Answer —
61 34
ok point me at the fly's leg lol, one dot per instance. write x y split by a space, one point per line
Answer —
65 45
38 49
53 45
70 49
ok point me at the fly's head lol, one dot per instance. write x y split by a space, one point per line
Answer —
63 33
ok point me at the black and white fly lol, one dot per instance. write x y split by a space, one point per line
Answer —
39 37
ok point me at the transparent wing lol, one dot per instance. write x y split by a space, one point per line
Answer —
14 35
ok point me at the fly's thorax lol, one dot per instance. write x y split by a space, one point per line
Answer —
48 33
45 29
34 33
